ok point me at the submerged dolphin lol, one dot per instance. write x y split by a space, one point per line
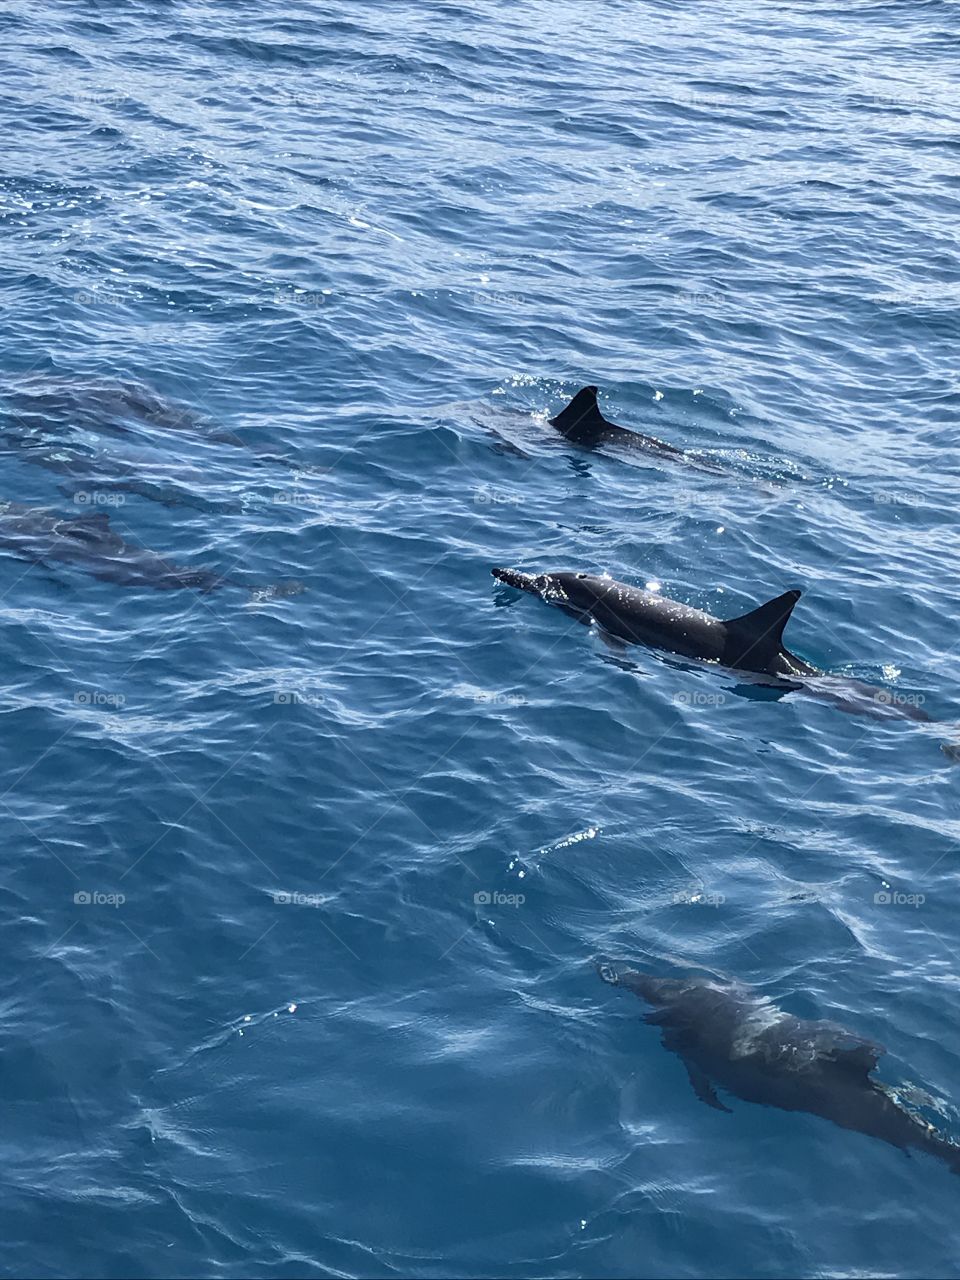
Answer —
74 426
727 1035
581 422
752 642
43 537
45 403
35 534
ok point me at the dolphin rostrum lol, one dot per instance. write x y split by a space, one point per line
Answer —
726 1035
751 642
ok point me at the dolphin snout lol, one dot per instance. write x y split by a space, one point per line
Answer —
515 578
607 970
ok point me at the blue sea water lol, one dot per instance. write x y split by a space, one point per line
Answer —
301 889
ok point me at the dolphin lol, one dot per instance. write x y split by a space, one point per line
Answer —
72 426
42 403
43 537
751 642
582 423
726 1035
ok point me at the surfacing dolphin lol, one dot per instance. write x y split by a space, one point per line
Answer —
751 642
582 423
726 1035
43 537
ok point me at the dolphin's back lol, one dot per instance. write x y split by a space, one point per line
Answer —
726 1034
642 617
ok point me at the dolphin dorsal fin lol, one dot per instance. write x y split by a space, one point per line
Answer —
581 416
760 632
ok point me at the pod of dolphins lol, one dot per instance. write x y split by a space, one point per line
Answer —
725 1034
95 435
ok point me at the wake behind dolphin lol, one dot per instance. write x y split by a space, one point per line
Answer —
726 1035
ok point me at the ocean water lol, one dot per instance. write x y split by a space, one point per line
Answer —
303 876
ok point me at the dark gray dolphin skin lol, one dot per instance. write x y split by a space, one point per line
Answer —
582 423
752 642
726 1035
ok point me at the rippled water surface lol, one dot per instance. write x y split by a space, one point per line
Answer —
307 853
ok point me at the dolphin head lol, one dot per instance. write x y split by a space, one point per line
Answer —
535 583
578 592
656 991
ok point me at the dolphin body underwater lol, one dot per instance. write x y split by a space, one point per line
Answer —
113 435
727 1035
43 537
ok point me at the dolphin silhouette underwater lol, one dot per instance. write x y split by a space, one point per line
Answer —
89 542
112 435
582 423
726 1035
